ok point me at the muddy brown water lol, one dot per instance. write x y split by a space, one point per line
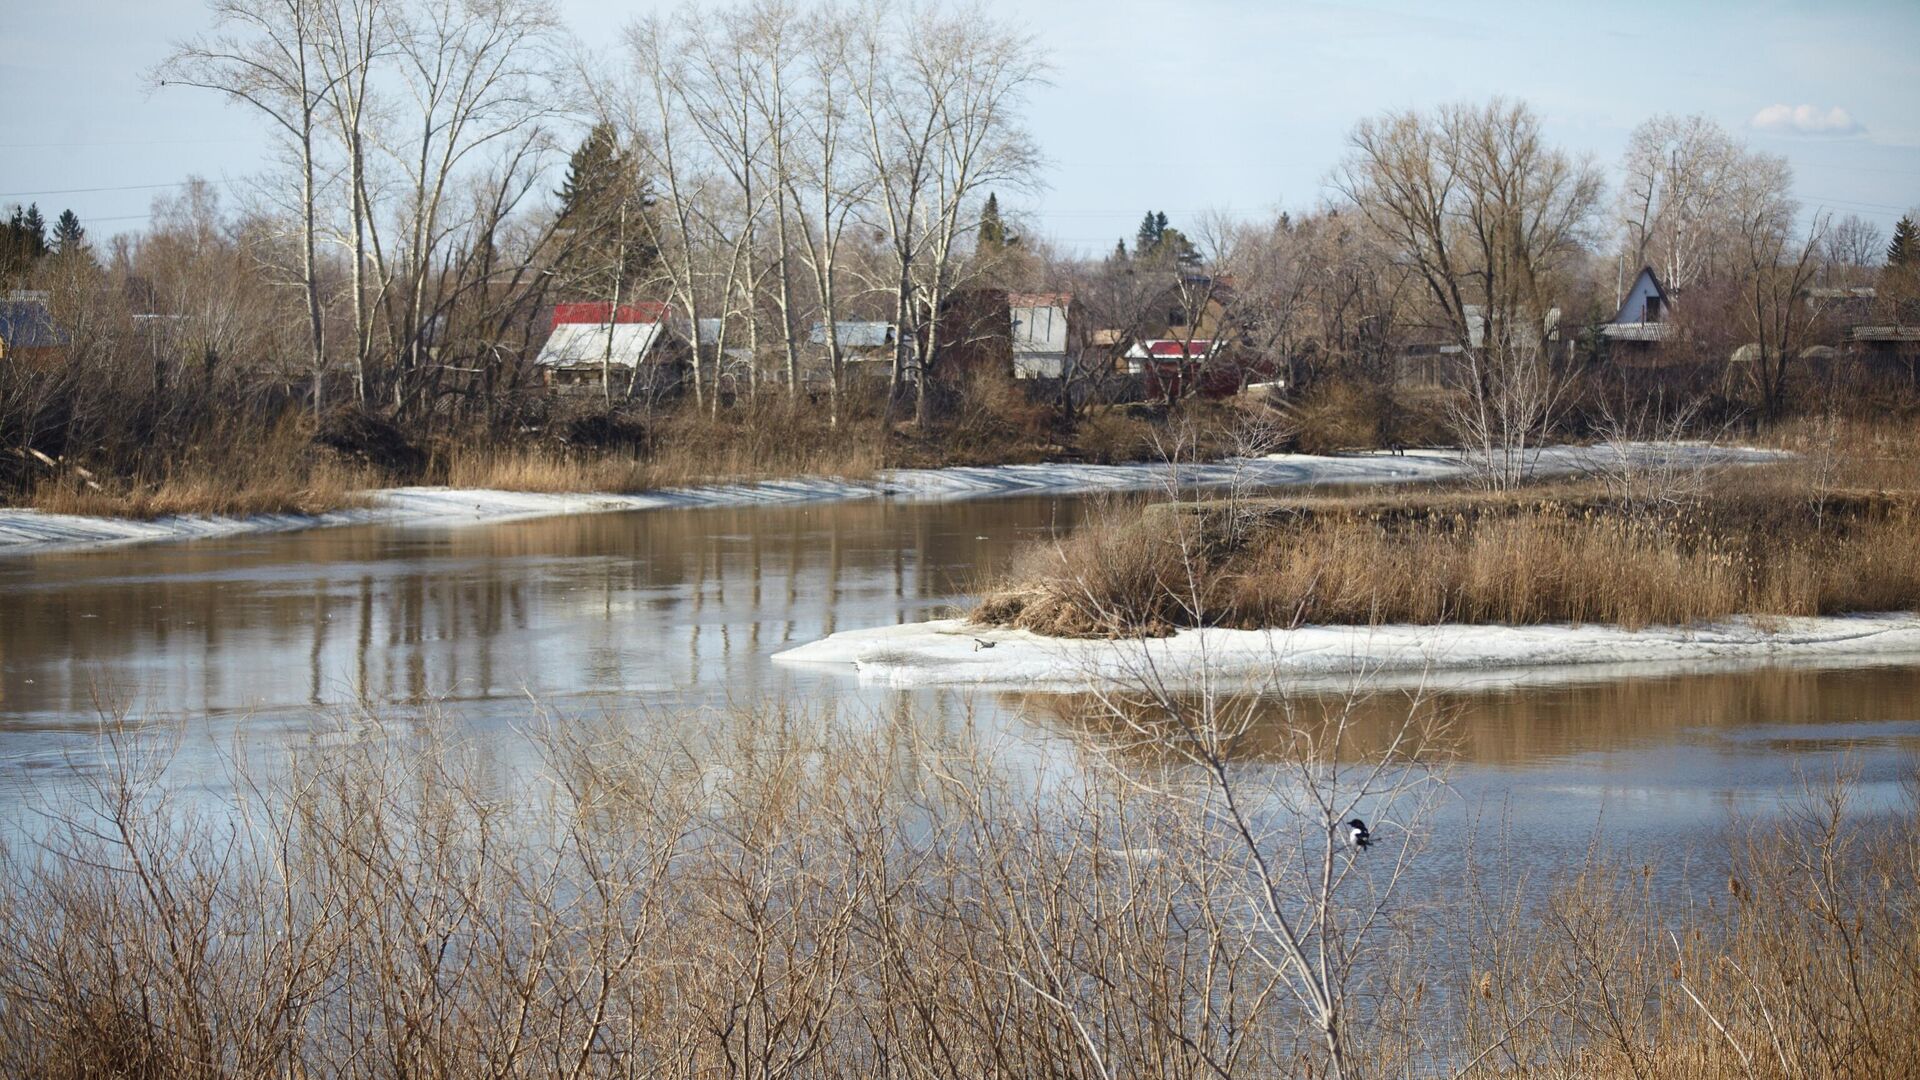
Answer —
666 612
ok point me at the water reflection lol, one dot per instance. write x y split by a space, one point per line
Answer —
1787 710
656 603
643 614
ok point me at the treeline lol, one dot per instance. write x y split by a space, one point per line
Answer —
772 171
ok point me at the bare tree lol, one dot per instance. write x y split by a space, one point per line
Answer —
1776 265
1673 202
480 76
265 54
354 37
825 182
1491 218
1851 250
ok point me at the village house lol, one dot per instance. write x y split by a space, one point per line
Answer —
866 347
593 342
1046 334
1643 322
28 336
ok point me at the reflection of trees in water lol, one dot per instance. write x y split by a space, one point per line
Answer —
400 614
1524 726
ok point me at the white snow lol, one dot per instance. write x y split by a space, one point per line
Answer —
31 530
952 652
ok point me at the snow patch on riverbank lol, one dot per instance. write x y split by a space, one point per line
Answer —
953 652
31 530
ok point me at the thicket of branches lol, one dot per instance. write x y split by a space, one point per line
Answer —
773 169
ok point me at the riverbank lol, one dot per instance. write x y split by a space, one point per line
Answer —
24 530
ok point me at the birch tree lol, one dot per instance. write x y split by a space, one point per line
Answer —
826 181
1673 206
354 36
264 54
479 77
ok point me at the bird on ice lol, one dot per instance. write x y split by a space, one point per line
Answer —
980 643
1357 834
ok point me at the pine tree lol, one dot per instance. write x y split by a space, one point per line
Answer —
1905 248
35 228
1152 228
605 200
994 236
23 240
68 237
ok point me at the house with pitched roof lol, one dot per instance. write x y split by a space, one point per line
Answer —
592 341
1645 318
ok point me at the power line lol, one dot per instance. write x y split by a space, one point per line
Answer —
96 190
117 142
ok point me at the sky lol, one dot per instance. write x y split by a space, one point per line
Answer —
1185 106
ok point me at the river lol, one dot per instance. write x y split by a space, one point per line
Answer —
267 639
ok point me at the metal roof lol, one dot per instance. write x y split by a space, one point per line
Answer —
584 344
855 335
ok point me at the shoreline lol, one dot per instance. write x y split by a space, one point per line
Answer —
957 653
24 531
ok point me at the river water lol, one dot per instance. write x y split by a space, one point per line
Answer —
265 639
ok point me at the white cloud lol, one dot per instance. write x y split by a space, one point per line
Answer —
1806 120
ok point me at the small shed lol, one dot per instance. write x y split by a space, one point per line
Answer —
864 346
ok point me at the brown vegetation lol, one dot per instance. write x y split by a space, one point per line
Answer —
1829 533
789 899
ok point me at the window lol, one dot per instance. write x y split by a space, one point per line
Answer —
1176 317
1652 312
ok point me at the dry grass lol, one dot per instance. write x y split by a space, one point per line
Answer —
1805 963
788 898
1787 540
279 472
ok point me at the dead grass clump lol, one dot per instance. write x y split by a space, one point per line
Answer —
280 473
546 471
1802 965
1123 572
1758 543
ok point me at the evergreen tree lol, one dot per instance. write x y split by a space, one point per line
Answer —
606 202
1905 248
994 235
23 240
1175 245
68 237
35 228
1152 228
1157 239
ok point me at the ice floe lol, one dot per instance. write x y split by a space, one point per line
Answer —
953 652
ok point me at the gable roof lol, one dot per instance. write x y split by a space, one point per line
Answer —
1172 349
854 335
575 344
1634 302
